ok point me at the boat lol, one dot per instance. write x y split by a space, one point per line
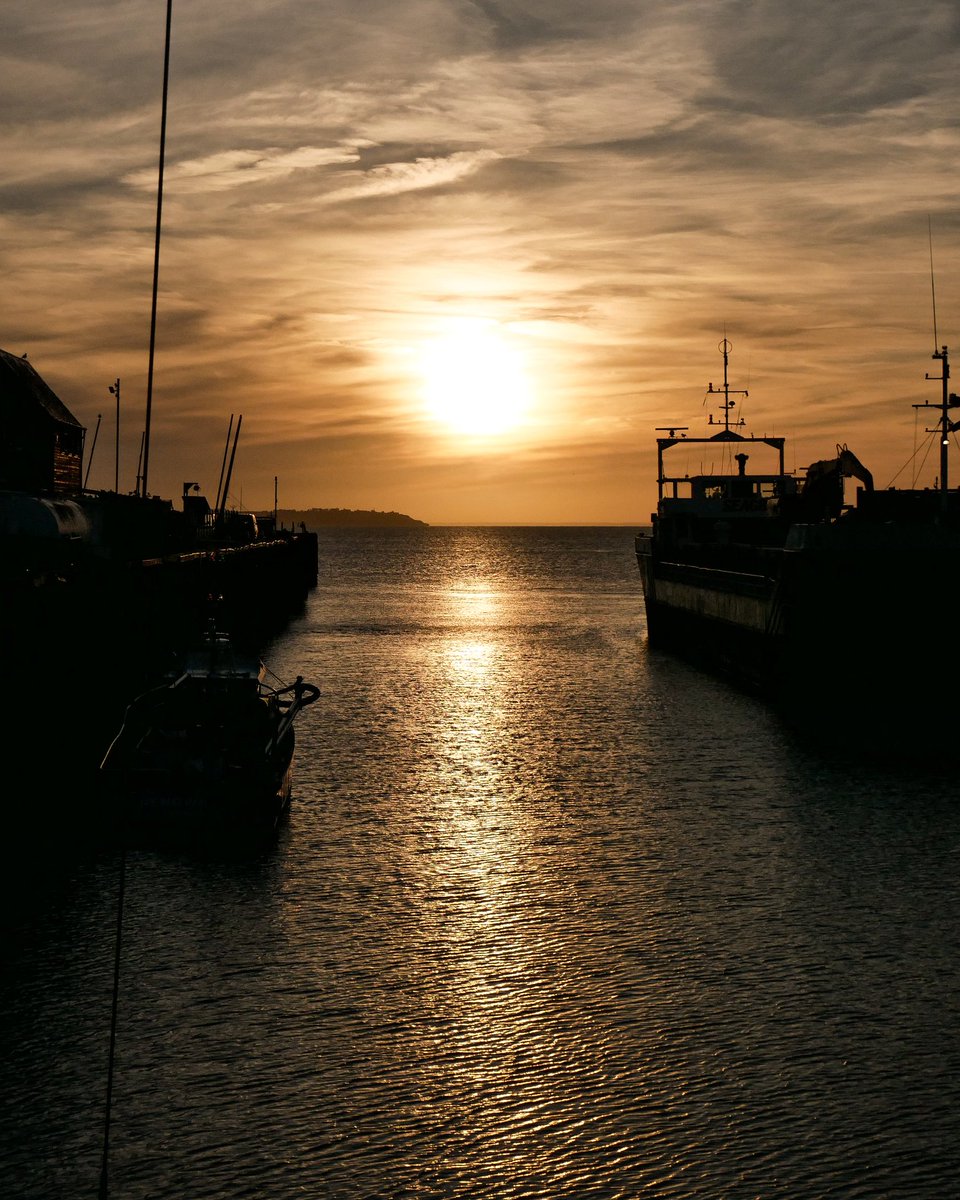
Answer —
836 610
209 751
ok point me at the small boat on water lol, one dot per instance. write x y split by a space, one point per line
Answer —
834 609
209 751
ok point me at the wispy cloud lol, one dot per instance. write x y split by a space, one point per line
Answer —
235 168
612 183
393 178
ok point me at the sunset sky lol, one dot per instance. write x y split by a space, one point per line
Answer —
459 258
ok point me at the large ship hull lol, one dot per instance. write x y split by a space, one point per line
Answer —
717 618
835 628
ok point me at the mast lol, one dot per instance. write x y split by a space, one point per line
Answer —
223 465
156 252
725 347
96 434
136 490
944 426
114 390
226 482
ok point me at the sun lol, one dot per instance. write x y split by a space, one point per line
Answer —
474 379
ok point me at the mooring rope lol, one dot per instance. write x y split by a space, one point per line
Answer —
118 941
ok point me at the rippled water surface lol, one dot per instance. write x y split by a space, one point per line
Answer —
552 917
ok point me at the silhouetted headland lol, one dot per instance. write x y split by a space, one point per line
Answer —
346 518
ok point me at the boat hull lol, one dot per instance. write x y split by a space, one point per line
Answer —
835 628
212 801
718 619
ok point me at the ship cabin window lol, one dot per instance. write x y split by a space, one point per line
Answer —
731 493
729 489
735 493
777 485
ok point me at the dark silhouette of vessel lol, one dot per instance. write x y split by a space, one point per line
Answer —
209 753
834 610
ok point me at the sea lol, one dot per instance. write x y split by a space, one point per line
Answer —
552 916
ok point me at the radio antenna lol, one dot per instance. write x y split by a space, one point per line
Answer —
156 251
933 288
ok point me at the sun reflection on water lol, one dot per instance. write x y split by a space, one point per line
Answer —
475 875
471 661
471 604
525 934
467 849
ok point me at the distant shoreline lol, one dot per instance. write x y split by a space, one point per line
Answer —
541 525
350 518
346 518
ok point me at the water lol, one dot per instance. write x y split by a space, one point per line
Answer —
552 917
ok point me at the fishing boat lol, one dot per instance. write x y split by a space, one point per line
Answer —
210 750
834 609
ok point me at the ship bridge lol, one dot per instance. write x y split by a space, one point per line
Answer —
729 491
708 495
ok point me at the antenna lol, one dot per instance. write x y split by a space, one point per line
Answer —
725 347
156 252
933 289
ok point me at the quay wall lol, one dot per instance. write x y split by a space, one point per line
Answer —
78 646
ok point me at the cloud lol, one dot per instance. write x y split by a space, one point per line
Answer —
234 168
813 58
393 178
615 182
511 26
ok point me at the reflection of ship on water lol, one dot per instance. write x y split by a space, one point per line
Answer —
835 609
99 588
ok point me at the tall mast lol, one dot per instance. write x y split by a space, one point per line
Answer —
156 252
229 476
223 465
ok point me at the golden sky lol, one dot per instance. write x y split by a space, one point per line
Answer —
459 258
